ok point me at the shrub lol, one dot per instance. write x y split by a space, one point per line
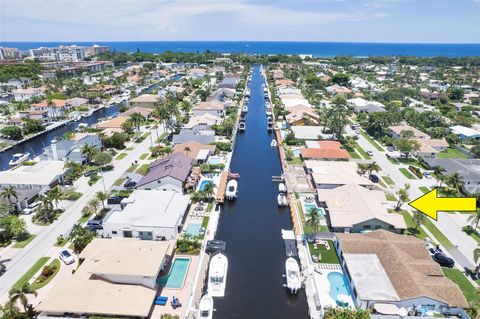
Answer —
416 171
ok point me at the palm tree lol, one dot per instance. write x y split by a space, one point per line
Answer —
8 193
373 167
102 197
55 195
88 150
93 204
187 150
474 219
454 180
418 219
137 120
362 168
313 219
402 195
21 294
208 190
45 209
476 258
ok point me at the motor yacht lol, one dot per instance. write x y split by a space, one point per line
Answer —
282 188
231 191
18 159
268 111
273 143
245 109
217 275
292 270
282 199
205 309
269 127
242 126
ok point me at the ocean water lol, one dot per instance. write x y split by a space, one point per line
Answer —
319 49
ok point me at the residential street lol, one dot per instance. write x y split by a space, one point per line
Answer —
450 224
44 240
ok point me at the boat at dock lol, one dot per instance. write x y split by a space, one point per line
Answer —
231 192
274 143
233 175
18 159
292 274
245 109
282 188
268 111
282 199
269 127
205 309
217 275
242 126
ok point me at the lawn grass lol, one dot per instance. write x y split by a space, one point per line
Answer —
144 156
382 183
391 197
472 233
121 156
354 155
93 179
424 189
362 152
130 148
145 135
406 172
372 141
132 168
119 181
468 290
439 236
411 230
295 161
410 161
205 222
37 285
209 207
83 219
326 256
393 161
143 169
24 241
451 153
31 272
388 180
161 137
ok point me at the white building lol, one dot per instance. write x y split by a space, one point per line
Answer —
43 176
27 94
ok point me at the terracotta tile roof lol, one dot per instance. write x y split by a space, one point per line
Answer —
328 149
57 103
194 147
408 265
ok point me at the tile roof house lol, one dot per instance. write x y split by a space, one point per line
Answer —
213 107
301 115
332 174
56 108
353 208
396 131
195 150
326 150
169 173
384 267
70 150
150 101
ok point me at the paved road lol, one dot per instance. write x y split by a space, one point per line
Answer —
449 224
44 240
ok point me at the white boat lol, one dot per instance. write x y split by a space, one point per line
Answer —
282 188
242 126
269 119
217 275
247 94
205 309
273 143
282 199
268 111
245 109
231 191
269 126
292 269
18 159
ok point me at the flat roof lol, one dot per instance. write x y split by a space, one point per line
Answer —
333 172
466 131
42 173
151 208
307 132
370 279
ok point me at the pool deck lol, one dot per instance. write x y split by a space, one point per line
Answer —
323 283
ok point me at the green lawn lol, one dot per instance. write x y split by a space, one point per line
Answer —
372 141
132 168
410 161
354 154
209 207
93 179
119 181
131 148
468 290
24 241
393 161
31 272
424 189
295 161
388 180
144 156
391 197
451 153
470 232
407 173
411 230
143 169
205 222
37 284
326 256
83 219
362 152
439 236
161 137
121 156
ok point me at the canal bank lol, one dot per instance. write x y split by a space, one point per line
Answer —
251 225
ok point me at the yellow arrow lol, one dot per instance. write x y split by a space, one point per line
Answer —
430 204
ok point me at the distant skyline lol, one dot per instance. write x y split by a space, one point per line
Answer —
392 21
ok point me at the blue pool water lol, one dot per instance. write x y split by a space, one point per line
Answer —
203 183
338 284
296 152
321 210
193 229
177 274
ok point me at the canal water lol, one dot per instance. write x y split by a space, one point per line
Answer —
251 226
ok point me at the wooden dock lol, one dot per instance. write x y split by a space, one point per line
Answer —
222 185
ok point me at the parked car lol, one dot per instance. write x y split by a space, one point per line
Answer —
130 184
94 225
114 200
390 148
90 173
66 257
443 260
369 152
30 208
374 178
427 175
67 182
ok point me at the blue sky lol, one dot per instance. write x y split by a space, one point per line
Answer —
406 21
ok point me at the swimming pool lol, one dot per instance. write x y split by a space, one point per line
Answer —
307 207
176 277
203 183
338 284
193 229
296 152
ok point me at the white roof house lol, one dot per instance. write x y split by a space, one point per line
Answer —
332 174
465 132
308 132
148 214
41 175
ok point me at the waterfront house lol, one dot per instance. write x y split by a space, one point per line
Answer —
28 93
465 132
202 122
55 108
148 215
150 101
196 151
167 174
77 102
309 133
41 115
324 150
301 115
333 174
205 136
144 111
42 176
213 107
387 268
117 277
70 150
353 208
467 168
